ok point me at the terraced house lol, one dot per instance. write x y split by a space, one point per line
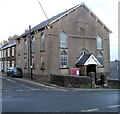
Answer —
8 55
75 38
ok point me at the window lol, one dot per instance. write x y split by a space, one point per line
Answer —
99 42
13 51
18 47
13 63
25 46
63 59
82 53
100 59
5 66
25 63
8 64
0 66
8 52
63 40
0 54
4 53
33 44
33 63
42 42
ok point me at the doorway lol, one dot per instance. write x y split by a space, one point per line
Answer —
91 68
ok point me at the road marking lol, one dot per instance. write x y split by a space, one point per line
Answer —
115 106
7 90
8 96
19 90
90 110
27 86
10 80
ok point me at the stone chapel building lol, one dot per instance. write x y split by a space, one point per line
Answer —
75 38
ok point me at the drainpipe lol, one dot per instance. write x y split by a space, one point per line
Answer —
30 39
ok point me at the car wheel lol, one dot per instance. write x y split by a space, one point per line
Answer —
11 75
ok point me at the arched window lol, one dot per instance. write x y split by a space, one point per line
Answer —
25 46
63 59
63 40
100 58
82 53
33 44
42 42
99 42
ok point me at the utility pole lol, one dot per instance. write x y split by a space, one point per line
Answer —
30 47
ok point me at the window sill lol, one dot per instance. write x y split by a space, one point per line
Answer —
64 67
101 66
63 48
100 49
42 50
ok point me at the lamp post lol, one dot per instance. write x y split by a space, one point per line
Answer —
30 39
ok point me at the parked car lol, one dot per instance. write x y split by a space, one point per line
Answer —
15 72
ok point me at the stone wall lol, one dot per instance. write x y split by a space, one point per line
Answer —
71 81
112 83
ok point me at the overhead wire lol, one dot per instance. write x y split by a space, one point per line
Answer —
43 10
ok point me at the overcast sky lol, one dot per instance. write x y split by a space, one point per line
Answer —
17 15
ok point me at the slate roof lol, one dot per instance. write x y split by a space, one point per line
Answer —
83 59
53 19
47 22
3 46
8 45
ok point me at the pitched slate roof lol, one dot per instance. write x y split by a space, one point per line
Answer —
8 45
83 59
54 18
87 59
3 46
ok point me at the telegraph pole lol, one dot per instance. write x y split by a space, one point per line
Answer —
30 46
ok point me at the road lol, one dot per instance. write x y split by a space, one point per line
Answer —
22 95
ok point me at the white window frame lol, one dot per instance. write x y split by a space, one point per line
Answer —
99 42
100 58
63 59
13 51
42 44
63 40
33 44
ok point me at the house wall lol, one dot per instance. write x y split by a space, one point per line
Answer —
7 61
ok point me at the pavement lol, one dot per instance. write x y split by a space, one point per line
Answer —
67 88
70 88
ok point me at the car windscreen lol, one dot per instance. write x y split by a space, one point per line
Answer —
19 69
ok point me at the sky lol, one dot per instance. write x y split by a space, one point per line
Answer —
17 15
